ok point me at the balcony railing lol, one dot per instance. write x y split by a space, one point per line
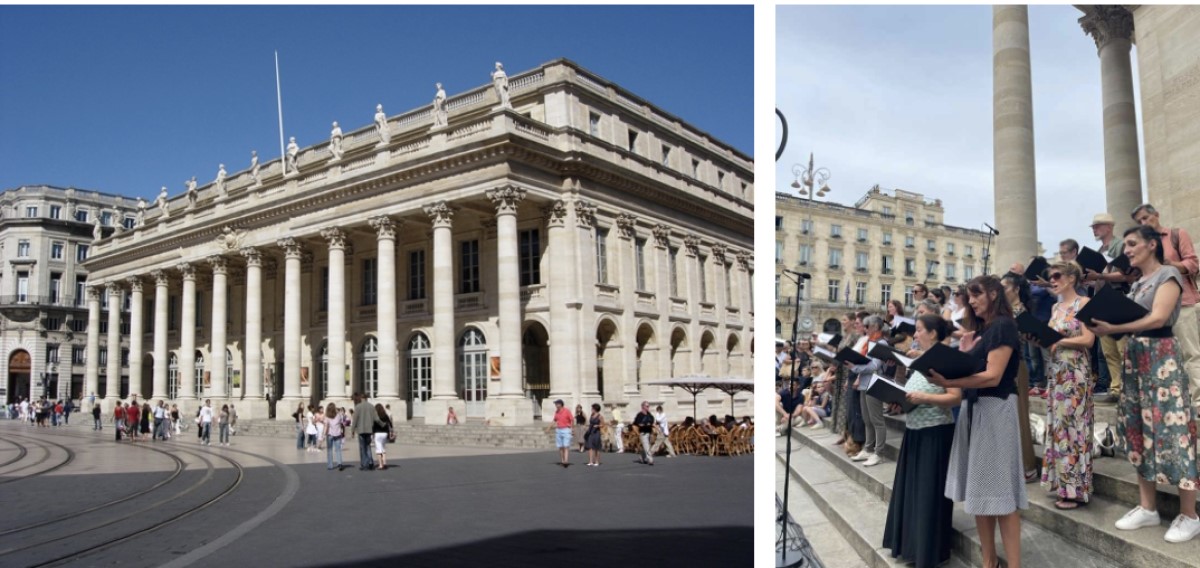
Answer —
32 300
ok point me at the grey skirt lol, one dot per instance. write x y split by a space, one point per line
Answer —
985 473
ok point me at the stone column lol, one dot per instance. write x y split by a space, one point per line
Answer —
1112 28
187 334
385 311
444 394
1012 138
161 358
135 336
220 268
559 290
719 358
291 325
509 406
336 381
254 398
625 252
582 285
92 376
113 382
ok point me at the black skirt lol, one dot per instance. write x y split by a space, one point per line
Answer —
920 517
854 417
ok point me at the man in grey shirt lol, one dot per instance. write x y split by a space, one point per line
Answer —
872 408
365 419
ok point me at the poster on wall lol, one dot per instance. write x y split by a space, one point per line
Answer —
494 367
237 379
207 379
303 376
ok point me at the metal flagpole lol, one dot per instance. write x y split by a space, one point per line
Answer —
279 103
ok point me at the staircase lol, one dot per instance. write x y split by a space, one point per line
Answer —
471 433
855 498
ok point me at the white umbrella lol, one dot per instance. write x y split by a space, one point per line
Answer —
696 383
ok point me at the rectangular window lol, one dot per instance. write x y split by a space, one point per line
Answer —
887 238
885 292
720 180
778 223
969 251
910 267
128 223
124 357
639 254
695 168
887 210
81 252
56 211
370 282
835 258
703 279
860 292
806 226
928 218
55 288
729 299
324 300
80 291
806 253
672 266
949 248
56 250
199 309
778 252
930 245
968 273
51 352
888 265
106 218
31 212
909 217
860 260
78 355
835 231
125 325
594 124
22 287
910 242
53 323
530 246
23 248
633 136
834 286
79 325
468 282
103 330
602 256
931 268
666 156
172 310
908 295
416 275
862 235
81 215
950 270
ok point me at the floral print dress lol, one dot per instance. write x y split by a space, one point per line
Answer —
1067 464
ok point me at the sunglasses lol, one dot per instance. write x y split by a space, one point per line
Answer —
1055 276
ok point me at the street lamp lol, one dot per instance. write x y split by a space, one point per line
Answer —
50 370
810 177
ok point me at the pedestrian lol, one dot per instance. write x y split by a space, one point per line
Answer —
145 419
57 416
232 421
319 420
644 421
96 423
206 420
664 431
119 419
175 418
310 429
451 417
68 406
223 425
160 421
580 426
562 432
298 416
382 432
592 437
618 429
364 422
132 413
337 421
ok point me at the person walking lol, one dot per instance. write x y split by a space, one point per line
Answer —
381 431
68 406
175 418
160 421
1157 426
337 423
119 419
298 416
592 437
562 432
145 419
365 418
223 425
664 432
644 421
96 423
232 421
206 420
580 427
132 422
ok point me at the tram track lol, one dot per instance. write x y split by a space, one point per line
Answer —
22 452
69 453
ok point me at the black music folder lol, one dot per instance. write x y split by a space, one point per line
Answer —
950 363
1121 263
884 352
904 326
1111 306
825 354
1037 269
1046 336
852 357
1091 260
830 339
887 390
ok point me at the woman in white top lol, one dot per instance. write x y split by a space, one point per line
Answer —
310 430
206 419
664 428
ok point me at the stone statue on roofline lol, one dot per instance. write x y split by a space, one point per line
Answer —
335 142
161 201
220 182
192 195
381 126
440 118
141 213
293 153
254 167
500 82
97 230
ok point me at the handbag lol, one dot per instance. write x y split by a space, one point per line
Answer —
391 435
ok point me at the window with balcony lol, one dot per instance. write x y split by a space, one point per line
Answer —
931 268
835 231
860 292
806 253
968 273
806 227
969 251
835 258
31 212
951 269
833 290
888 264
860 261
910 267
887 238
862 235
885 292
56 211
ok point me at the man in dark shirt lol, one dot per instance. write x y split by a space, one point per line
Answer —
787 404
644 421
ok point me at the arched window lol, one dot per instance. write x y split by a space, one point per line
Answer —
368 361
473 370
420 373
199 375
173 377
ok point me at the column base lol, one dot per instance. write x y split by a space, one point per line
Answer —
399 410
436 410
509 411
253 409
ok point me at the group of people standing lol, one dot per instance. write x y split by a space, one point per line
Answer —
968 440
325 427
42 412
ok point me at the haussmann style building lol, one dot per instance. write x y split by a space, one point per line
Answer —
547 235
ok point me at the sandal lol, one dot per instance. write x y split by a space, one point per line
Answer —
1069 504
1032 476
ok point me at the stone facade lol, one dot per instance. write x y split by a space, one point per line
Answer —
880 247
45 234
576 244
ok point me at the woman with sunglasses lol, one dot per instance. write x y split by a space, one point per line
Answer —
1067 463
1157 424
985 472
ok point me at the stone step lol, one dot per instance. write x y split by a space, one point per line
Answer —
1113 478
857 507
468 434
1091 527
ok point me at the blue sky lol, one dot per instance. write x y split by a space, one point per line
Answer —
128 99
901 96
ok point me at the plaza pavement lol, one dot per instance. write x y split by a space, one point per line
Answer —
435 506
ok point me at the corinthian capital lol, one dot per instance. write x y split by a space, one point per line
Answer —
291 247
135 283
384 226
187 269
626 225
440 213
556 214
506 199
220 265
335 236
585 215
1106 23
253 256
161 278
113 289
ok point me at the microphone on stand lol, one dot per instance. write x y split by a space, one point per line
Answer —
991 228
803 275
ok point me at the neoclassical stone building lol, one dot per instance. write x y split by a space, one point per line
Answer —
547 235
